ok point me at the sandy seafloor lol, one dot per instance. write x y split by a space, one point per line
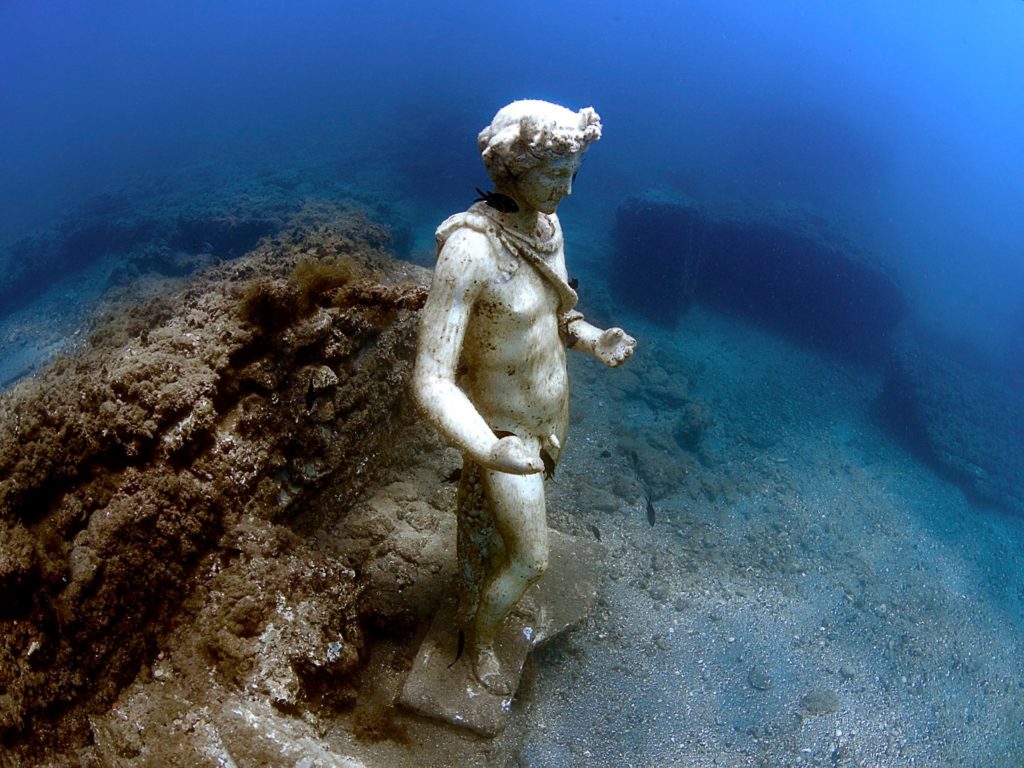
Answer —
822 598
853 609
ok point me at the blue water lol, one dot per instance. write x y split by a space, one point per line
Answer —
899 125
900 121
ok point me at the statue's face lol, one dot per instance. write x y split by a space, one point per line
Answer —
543 186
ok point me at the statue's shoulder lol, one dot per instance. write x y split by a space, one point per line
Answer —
467 227
556 226
465 222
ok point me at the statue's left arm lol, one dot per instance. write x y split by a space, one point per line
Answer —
612 346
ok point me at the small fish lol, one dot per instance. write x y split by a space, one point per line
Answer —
454 476
574 283
497 201
310 395
652 516
549 464
459 648
596 531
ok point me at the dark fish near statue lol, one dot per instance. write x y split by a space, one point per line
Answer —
497 201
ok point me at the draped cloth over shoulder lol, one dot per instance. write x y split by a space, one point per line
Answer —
485 220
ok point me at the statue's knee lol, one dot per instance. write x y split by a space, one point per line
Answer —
532 565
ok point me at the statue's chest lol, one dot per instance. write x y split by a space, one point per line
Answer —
517 295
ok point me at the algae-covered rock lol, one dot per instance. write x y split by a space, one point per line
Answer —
162 462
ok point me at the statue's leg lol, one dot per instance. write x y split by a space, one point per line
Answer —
516 505
479 544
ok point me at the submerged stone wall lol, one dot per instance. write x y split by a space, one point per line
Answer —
668 254
172 447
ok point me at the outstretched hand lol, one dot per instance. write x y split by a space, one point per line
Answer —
614 347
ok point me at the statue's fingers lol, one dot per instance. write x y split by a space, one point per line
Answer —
512 456
530 461
528 466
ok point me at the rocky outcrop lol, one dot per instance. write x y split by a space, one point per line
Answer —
958 413
169 453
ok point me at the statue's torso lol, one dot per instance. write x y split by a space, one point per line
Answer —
513 357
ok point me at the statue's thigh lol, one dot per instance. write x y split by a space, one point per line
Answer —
516 504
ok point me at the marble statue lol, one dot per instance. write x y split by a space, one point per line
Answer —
490 372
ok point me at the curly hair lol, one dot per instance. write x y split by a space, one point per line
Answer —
529 132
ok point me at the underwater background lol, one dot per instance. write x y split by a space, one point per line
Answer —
808 214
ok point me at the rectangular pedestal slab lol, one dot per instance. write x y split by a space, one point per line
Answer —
450 692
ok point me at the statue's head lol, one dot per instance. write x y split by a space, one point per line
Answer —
529 136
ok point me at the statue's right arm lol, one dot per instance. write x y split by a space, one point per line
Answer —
462 270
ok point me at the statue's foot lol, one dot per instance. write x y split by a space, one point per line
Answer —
488 672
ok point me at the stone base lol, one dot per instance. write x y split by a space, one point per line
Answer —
565 595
